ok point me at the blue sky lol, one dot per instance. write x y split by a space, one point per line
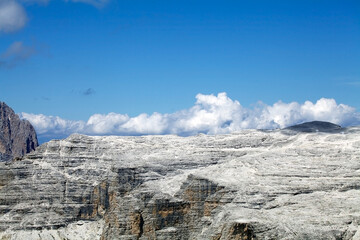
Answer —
74 59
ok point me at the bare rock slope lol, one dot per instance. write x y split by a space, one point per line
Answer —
17 137
246 185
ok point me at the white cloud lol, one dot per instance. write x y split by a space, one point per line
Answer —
211 114
12 16
144 124
105 124
53 126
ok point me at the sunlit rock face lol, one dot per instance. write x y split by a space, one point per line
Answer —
17 137
281 184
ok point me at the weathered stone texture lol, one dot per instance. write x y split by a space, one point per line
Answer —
246 185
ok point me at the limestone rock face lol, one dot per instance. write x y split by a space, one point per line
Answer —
17 137
246 185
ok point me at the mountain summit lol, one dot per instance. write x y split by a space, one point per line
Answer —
316 126
17 137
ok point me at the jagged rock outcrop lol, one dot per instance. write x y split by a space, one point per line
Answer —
17 137
246 185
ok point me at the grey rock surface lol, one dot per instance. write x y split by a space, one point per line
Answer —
246 185
17 137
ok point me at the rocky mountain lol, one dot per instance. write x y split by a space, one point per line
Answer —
17 137
246 185
316 126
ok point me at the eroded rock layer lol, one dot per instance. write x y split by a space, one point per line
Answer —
246 185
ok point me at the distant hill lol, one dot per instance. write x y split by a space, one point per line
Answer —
17 137
316 126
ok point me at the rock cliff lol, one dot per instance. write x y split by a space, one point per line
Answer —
246 185
17 137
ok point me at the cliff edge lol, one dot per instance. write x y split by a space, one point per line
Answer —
17 137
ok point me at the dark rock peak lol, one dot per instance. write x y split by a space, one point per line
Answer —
316 126
17 137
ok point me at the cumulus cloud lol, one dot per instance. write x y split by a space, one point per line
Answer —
12 16
211 115
16 53
50 126
105 124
